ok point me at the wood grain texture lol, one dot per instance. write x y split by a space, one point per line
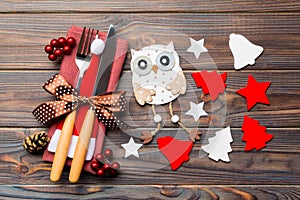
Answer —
276 164
147 6
24 36
231 108
149 192
272 173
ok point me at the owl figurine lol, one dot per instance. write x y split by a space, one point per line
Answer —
157 79
157 76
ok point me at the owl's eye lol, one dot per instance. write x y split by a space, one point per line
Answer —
165 61
142 65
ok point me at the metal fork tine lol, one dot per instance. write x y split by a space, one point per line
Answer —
86 43
90 42
79 49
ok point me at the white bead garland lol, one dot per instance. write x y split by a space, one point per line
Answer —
175 119
157 118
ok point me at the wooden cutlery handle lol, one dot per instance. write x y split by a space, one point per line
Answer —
82 146
62 147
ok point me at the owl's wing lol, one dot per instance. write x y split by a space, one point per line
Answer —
178 85
142 95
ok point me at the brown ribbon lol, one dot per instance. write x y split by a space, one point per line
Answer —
67 99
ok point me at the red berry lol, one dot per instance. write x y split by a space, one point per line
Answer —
99 157
106 167
52 57
58 52
95 165
100 172
62 41
108 153
113 172
115 165
49 49
71 42
67 50
54 43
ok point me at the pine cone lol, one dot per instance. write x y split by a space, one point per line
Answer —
36 142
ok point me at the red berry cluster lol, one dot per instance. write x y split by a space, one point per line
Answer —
60 47
103 166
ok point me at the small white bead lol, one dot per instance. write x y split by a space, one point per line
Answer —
157 118
175 119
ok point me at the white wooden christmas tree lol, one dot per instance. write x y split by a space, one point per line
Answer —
219 145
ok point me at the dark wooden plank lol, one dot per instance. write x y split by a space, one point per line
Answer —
21 92
285 140
24 36
25 176
276 164
149 192
147 6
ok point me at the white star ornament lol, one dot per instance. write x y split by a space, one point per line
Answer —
197 47
196 110
131 148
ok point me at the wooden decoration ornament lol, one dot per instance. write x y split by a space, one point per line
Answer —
158 79
219 145
197 47
212 83
255 135
243 51
156 69
196 110
176 151
131 148
255 92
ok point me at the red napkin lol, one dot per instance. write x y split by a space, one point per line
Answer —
70 71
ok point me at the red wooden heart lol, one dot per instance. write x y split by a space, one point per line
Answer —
176 151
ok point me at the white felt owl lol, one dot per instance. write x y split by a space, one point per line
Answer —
157 76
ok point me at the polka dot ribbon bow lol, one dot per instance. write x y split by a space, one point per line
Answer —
106 105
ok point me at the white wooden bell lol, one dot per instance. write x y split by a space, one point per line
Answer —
243 51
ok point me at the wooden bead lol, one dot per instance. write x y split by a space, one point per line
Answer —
157 118
175 119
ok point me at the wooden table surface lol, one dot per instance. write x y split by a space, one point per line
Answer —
272 173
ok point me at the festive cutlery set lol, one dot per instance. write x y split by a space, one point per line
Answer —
85 89
92 96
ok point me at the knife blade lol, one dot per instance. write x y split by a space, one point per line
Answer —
100 86
105 65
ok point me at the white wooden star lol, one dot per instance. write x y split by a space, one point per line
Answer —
196 110
131 148
197 47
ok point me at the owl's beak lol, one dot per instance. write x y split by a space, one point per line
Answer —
155 68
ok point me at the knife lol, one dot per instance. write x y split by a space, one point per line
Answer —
101 83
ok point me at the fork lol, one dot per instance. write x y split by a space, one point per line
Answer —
83 57
82 61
